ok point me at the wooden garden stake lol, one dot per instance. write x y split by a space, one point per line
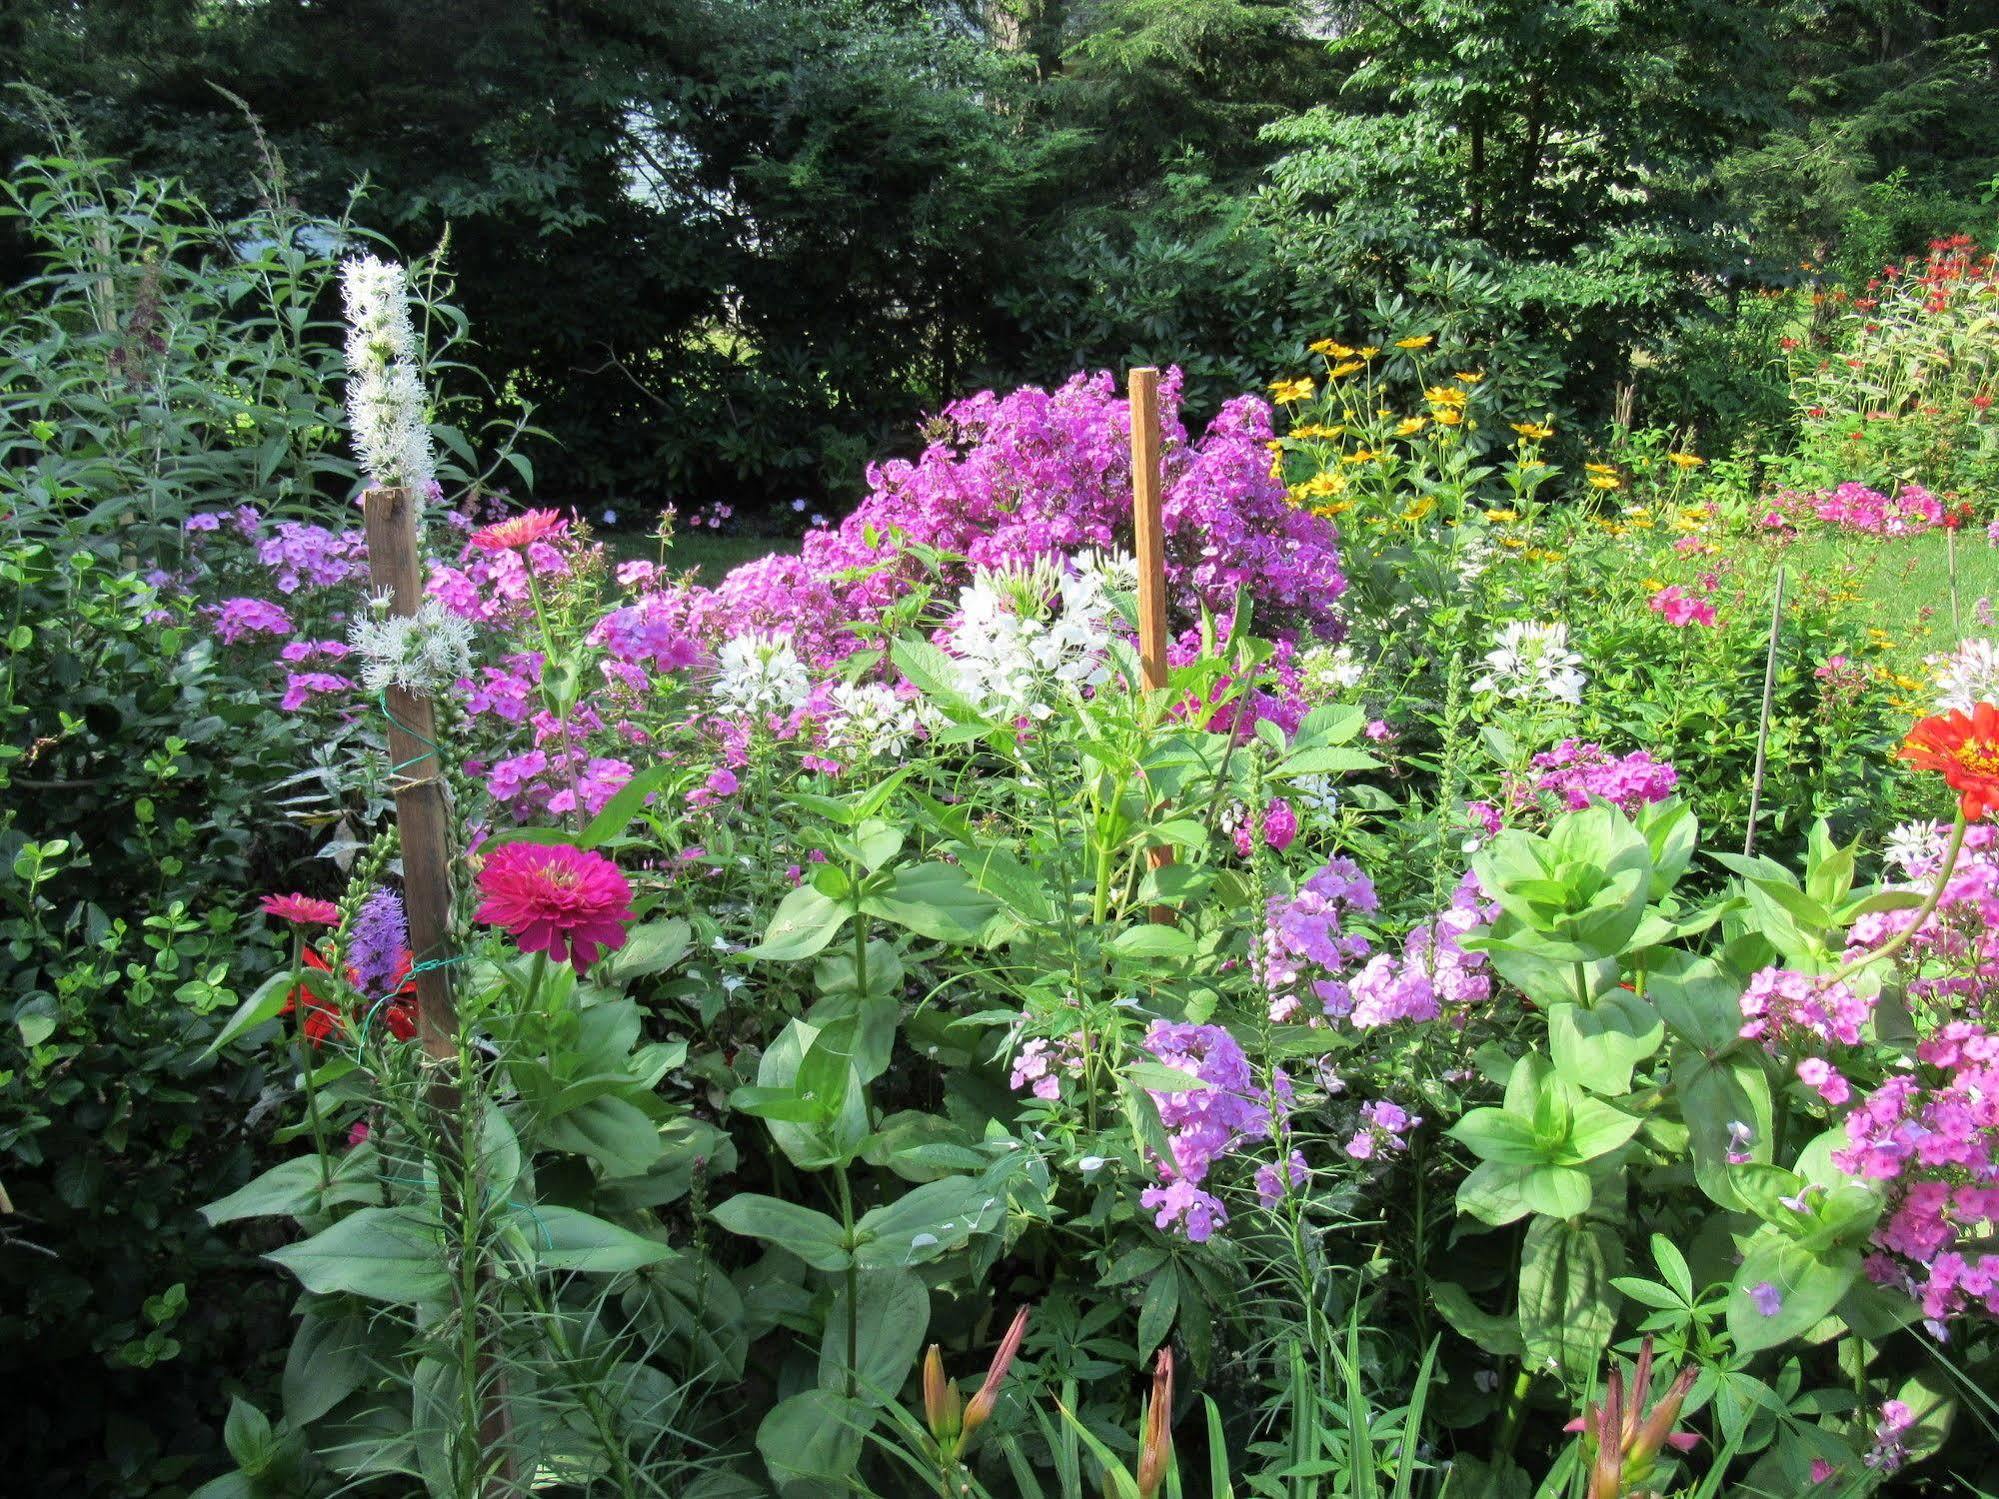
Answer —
422 818
395 568
1769 702
1149 542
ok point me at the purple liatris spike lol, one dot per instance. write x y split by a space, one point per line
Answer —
378 942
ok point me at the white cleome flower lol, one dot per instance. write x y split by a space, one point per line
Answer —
1533 661
870 720
1968 676
1916 848
1327 671
387 407
422 653
760 673
1023 637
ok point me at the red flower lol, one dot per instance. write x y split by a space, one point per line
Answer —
324 1018
555 899
1964 749
302 910
518 531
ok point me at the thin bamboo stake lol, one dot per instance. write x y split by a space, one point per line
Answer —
1950 556
394 566
1769 703
1149 543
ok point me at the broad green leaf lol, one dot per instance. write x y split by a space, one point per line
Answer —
331 1356
805 1232
927 1222
265 1004
812 1442
1568 1307
894 1314
1781 1289
805 921
1497 1335
938 901
1496 1135
1596 1047
564 1239
382 1254
617 1134
651 948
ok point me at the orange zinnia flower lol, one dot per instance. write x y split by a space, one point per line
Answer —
1964 749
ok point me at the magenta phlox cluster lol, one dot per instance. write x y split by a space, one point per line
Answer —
241 619
494 587
300 555
1574 771
1911 509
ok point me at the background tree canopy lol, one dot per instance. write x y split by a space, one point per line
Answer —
732 248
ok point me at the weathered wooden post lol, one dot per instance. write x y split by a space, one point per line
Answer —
1149 545
395 567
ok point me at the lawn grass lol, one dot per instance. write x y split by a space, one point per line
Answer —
1907 579
706 553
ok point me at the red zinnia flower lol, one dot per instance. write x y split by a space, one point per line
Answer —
518 531
302 910
324 1018
556 899
1964 749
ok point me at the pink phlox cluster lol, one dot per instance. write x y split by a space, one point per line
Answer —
1275 1178
1306 952
1385 1127
1205 1122
1041 1064
299 555
1951 962
1930 1139
1910 510
1781 1005
244 618
298 652
493 586
509 692
301 687
1431 972
1576 770
1682 608
1277 828
652 631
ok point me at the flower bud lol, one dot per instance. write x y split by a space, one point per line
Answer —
1155 1451
940 1402
982 1404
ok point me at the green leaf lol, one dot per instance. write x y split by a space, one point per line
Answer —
812 1236
1498 1194
648 949
1695 996
894 1314
1598 1129
1596 1047
804 922
289 1189
1157 1310
381 1254
1496 1135
331 1357
1497 1335
615 1133
938 901
812 1442
1152 940
564 1239
927 1222
1568 1307
617 813
1808 1286
266 1004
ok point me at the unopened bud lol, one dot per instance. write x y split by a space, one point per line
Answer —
1155 1450
982 1404
940 1402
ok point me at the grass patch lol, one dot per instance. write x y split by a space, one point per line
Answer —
1907 579
705 553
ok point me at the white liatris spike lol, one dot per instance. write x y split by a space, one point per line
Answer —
386 401
422 653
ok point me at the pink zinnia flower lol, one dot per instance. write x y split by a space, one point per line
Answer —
518 531
556 899
302 910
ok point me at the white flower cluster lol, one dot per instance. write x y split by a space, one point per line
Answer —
1968 676
760 673
1533 661
422 653
1916 848
1317 797
869 721
1325 672
386 403
1024 636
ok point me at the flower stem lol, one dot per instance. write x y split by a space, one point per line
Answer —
1923 912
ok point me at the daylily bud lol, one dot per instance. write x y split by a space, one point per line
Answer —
981 1405
1607 1474
1155 1451
940 1402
